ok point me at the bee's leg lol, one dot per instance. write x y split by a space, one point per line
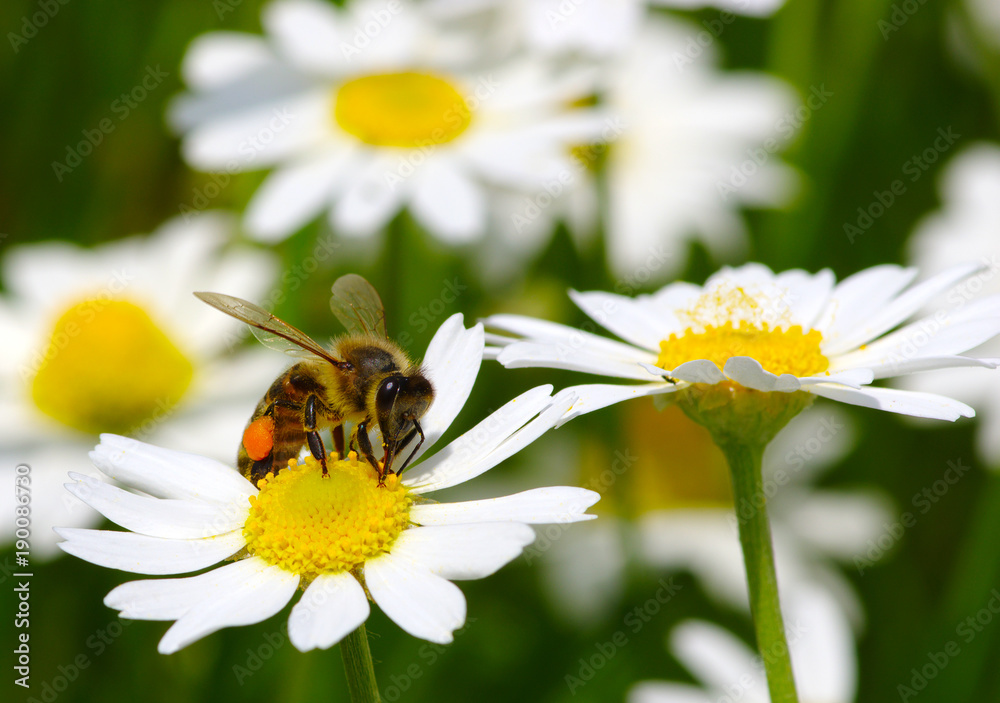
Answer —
338 440
315 441
365 445
406 440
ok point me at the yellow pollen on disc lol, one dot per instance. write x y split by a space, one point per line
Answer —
109 368
407 109
779 350
310 525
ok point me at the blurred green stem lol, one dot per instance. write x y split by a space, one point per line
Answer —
359 667
745 462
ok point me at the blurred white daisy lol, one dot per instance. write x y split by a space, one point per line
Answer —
671 508
688 146
342 539
751 330
369 108
966 228
822 651
112 339
594 27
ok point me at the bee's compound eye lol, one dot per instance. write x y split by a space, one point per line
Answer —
385 398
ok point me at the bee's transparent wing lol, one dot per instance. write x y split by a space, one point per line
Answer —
358 306
267 328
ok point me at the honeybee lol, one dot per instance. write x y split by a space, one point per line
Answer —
364 377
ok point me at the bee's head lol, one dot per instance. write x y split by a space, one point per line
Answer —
400 402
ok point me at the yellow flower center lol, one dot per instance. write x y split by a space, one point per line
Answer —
109 368
310 525
779 351
401 110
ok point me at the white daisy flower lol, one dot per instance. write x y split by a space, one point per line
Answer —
749 329
965 228
366 109
111 338
343 539
676 518
689 146
592 27
822 650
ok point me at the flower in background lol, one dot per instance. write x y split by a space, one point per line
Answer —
342 539
688 146
966 228
666 502
591 27
111 339
369 108
822 650
751 330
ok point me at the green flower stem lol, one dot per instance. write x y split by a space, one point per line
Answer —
758 557
359 667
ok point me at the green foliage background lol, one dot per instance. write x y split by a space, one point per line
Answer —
891 94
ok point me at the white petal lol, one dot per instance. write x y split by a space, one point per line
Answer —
262 593
904 402
716 656
624 316
808 294
293 195
216 58
451 364
308 33
448 465
574 339
920 340
546 420
148 555
883 319
168 474
369 202
749 373
660 692
521 355
855 378
930 363
261 135
594 396
821 644
699 371
424 605
839 524
557 504
157 517
333 606
448 203
170 599
856 296
462 552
